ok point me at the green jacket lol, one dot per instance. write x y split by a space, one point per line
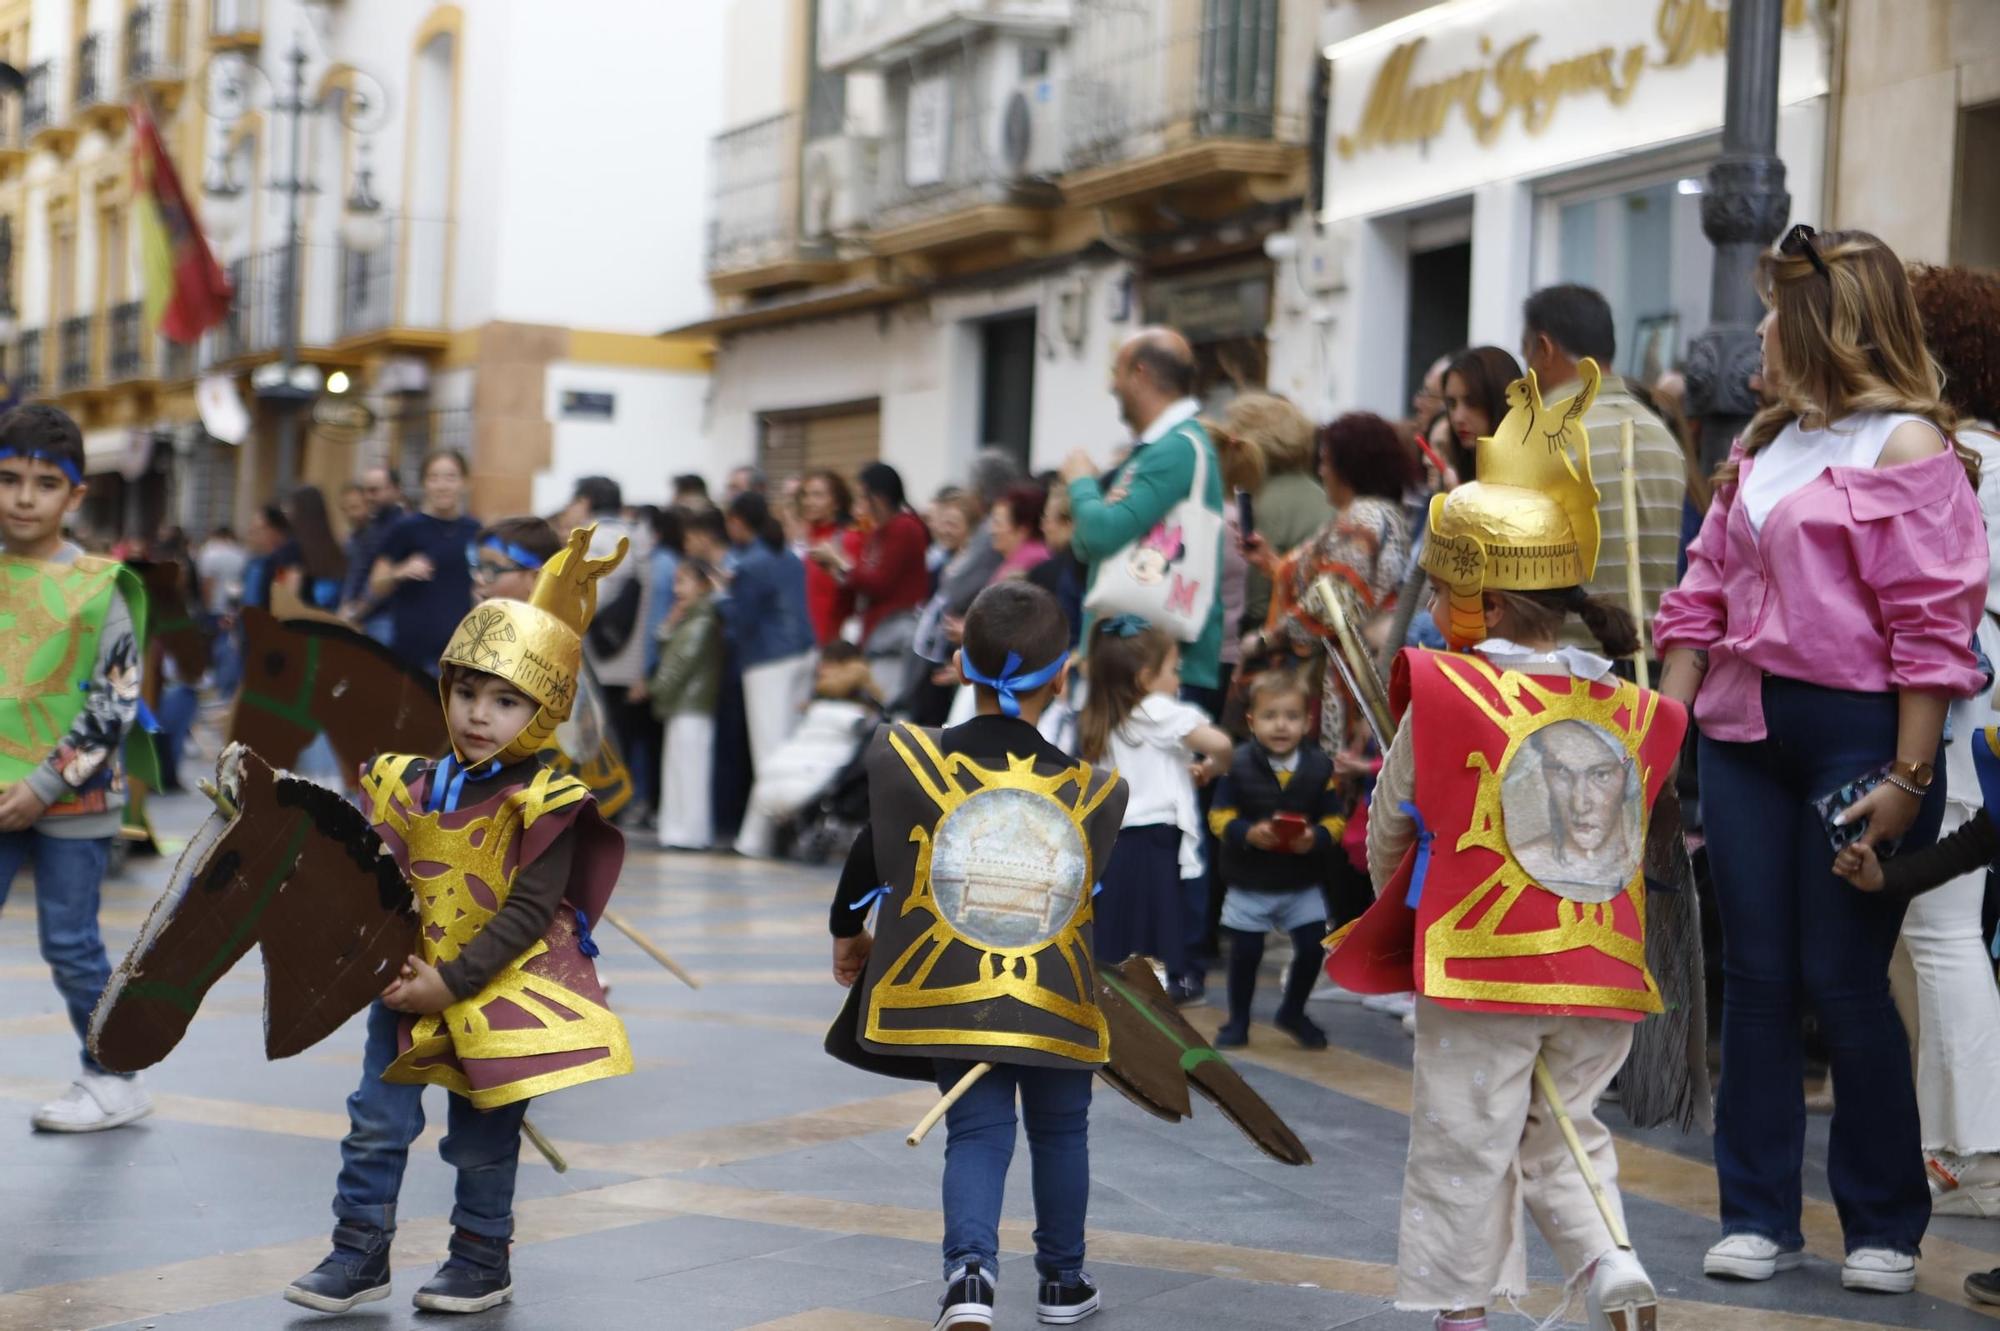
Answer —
690 670
1289 511
1155 478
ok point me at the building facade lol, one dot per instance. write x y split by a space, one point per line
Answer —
484 257
933 220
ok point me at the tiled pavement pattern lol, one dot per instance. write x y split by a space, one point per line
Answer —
742 1179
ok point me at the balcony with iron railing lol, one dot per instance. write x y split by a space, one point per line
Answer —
125 360
1148 100
45 106
28 364
235 24
176 360
345 296
156 46
753 214
888 31
96 96
73 360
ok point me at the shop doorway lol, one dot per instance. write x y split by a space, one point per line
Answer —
1440 309
841 439
1007 384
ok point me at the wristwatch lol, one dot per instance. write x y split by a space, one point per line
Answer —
1908 775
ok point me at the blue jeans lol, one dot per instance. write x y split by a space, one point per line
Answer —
384 1118
68 874
979 1145
1795 935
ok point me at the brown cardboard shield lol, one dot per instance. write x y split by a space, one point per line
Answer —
304 677
1156 1056
290 867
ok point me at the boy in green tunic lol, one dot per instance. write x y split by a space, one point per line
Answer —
70 629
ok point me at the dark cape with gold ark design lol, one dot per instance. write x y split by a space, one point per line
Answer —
983 948
541 1023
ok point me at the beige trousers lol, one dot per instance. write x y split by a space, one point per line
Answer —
1482 1141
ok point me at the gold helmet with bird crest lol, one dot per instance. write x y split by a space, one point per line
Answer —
536 645
1529 523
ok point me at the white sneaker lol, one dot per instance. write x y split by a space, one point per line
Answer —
1964 1184
94 1102
1749 1257
1879 1271
1391 1005
1621 1296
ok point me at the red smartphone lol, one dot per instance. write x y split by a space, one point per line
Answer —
1292 829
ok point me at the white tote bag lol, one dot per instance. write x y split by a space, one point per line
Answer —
1167 576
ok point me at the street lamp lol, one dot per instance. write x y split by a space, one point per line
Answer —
360 103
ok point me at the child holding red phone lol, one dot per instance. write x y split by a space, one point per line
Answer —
1278 819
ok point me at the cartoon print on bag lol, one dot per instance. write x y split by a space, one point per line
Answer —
1151 558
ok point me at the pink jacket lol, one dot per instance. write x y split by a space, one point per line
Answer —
1868 579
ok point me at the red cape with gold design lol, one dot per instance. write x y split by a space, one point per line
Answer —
1483 935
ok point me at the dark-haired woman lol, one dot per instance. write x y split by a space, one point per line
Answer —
1365 468
767 620
1475 399
889 581
826 519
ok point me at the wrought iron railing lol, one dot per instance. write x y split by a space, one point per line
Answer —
177 359
155 41
942 147
28 364
41 105
125 360
94 83
753 215
73 360
367 291
1138 85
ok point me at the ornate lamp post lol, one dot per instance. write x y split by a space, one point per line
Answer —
358 100
1742 211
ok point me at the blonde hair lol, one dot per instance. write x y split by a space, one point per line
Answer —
1279 432
1847 339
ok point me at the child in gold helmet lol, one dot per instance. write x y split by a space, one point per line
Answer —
511 866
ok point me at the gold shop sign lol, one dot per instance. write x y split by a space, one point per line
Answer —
1513 84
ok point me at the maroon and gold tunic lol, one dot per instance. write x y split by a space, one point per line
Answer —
541 1023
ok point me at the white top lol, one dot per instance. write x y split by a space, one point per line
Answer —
1184 410
1150 751
1797 456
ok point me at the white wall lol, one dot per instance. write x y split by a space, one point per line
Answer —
757 58
655 432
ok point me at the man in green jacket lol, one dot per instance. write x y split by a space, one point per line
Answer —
1153 380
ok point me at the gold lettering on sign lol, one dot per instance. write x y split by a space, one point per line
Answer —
1399 109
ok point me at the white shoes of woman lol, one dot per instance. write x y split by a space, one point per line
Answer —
1621 1295
1749 1257
1879 1271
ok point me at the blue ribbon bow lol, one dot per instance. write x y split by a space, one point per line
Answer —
584 942
874 895
64 465
1423 865
1125 626
1010 684
448 782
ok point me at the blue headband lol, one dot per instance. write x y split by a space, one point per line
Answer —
64 465
512 551
1009 684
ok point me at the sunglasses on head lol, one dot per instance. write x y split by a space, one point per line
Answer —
1799 240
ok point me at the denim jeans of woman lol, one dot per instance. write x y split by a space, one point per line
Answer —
979 1145
1796 937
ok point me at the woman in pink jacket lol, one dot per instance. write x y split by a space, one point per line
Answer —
1824 626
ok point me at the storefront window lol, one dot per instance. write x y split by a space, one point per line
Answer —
1642 247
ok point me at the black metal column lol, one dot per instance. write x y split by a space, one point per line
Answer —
1742 211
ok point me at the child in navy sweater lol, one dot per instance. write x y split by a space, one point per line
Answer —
1278 819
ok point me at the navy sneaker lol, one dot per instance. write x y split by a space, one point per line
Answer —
1233 1035
356 1271
1301 1028
474 1277
1061 1302
967 1301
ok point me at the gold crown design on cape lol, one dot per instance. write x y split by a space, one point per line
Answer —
537 644
1529 523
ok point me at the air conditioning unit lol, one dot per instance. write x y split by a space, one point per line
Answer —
1028 132
836 175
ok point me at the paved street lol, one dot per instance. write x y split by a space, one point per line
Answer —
743 1179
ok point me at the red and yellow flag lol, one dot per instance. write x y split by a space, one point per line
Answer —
186 291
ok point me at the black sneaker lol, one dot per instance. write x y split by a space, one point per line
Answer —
1301 1028
356 1271
967 1301
1059 1303
474 1277
1233 1035
1188 991
1984 1287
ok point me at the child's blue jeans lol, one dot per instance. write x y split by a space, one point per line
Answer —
69 873
979 1145
384 1118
